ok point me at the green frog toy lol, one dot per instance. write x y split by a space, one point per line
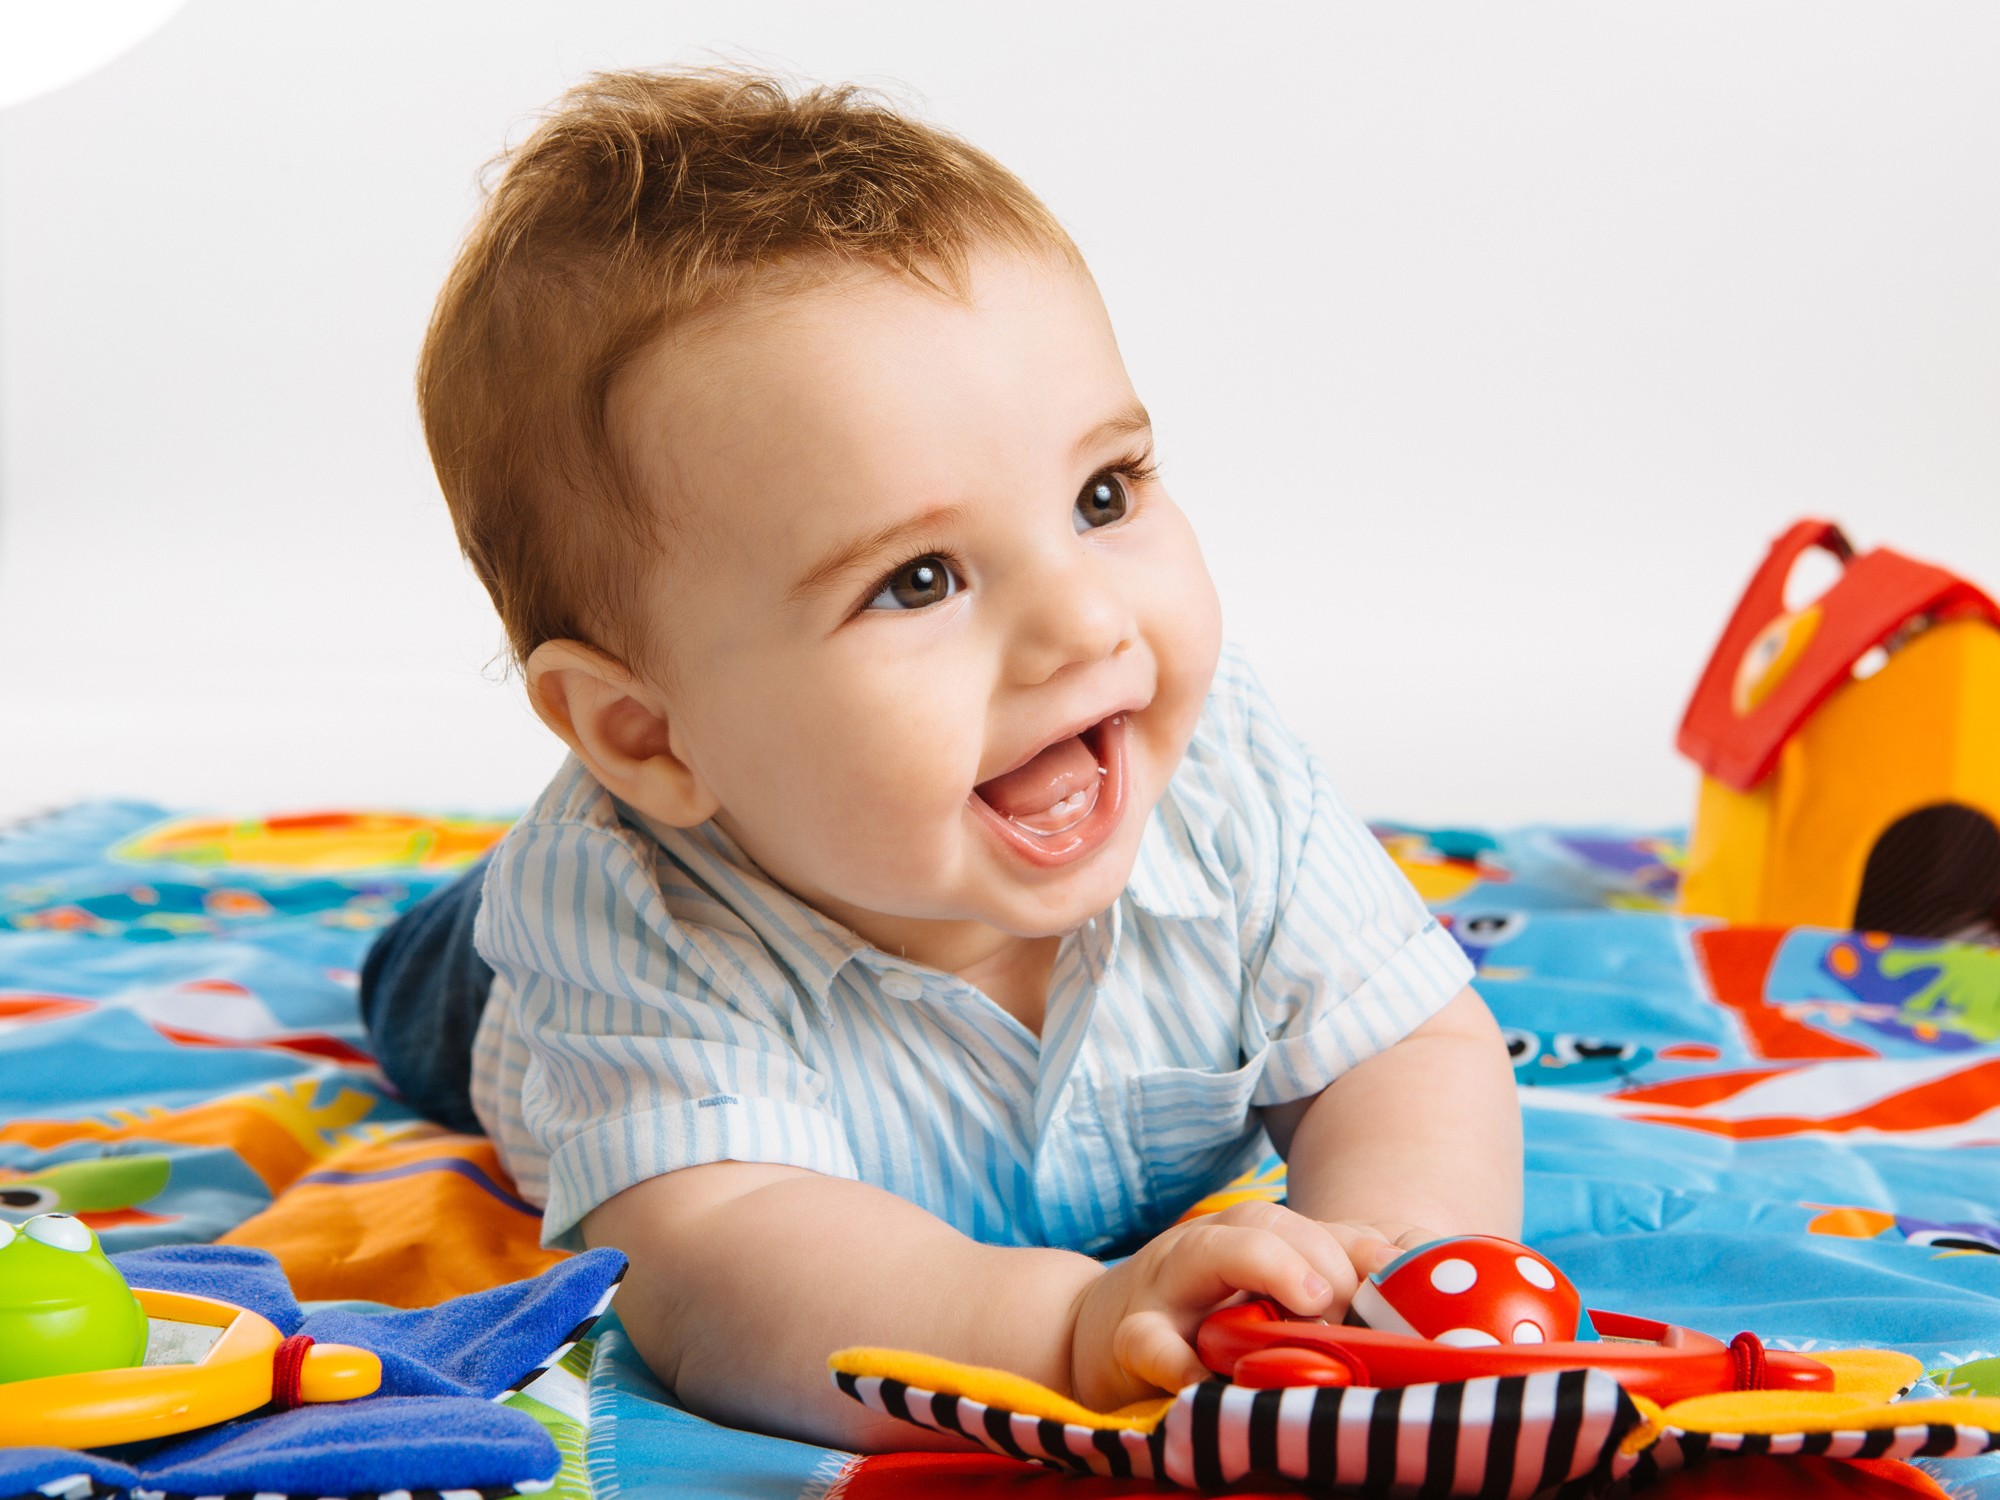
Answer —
64 1308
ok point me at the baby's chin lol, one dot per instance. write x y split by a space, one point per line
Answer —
1052 903
1020 904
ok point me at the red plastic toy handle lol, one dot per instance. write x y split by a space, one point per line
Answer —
1254 1344
1764 600
1266 1368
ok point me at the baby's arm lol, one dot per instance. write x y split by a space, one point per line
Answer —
1423 1139
745 1277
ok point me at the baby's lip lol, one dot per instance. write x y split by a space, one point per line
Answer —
1082 726
1052 848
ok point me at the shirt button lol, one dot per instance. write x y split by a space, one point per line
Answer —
901 986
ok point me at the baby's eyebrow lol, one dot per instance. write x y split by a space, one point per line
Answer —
845 558
1133 420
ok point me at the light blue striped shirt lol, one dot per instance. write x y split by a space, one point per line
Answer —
658 1004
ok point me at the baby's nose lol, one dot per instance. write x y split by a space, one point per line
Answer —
1080 622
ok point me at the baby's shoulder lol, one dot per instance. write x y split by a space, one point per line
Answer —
571 832
580 893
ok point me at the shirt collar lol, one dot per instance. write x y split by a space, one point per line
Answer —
807 944
1170 878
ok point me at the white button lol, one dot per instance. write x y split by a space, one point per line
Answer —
901 986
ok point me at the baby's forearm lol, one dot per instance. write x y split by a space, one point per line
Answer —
745 1278
1426 1133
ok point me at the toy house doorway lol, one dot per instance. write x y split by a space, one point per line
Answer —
1934 873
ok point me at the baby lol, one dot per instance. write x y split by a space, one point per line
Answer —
929 905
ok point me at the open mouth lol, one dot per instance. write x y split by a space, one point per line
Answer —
1064 799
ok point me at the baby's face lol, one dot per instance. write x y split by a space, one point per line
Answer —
934 638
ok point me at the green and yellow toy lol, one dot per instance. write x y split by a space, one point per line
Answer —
73 1350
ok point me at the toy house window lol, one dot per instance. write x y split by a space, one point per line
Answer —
1934 873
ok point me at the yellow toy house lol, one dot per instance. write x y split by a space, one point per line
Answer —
1850 751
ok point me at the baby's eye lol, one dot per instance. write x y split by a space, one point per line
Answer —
1102 501
918 582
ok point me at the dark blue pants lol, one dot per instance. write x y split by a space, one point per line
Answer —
423 989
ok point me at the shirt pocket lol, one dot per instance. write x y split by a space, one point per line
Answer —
1193 1127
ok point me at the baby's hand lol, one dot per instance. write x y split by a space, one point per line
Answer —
1135 1324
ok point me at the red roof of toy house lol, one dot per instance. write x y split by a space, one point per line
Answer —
1877 594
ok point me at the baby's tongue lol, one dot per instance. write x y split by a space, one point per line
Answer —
1062 770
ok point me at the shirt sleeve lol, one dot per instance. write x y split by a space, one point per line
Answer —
641 1045
1349 961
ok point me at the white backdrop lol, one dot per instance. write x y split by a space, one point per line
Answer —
1488 347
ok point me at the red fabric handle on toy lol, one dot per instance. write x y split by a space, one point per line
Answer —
288 1363
1746 1354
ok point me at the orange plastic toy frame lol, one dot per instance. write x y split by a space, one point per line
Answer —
1254 1344
102 1407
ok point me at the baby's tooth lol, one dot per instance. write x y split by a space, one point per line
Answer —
1072 808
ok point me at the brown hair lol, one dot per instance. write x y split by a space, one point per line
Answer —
641 200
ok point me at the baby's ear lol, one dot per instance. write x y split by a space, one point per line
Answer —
620 728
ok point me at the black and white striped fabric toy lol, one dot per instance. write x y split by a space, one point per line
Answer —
1565 1432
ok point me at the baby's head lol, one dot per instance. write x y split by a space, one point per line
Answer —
791 439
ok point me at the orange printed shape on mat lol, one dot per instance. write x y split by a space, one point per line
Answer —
323 841
410 1221
1953 1099
1700 1090
1737 961
279 1130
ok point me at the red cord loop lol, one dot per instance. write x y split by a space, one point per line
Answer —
287 1367
1746 1357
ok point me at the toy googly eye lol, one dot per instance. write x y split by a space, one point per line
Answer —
1488 929
6 1234
1575 1049
1959 1237
1770 656
58 1232
24 1198
1522 1046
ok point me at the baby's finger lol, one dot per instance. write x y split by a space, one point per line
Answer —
1149 1347
1210 1263
1365 1246
1317 1242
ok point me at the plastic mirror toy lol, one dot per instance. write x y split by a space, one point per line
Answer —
73 1346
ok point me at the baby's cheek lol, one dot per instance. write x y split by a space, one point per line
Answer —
1188 636
1181 609
896 764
